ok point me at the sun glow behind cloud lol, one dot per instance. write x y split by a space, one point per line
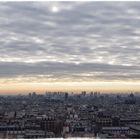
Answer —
54 9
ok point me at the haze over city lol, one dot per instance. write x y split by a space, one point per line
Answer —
69 46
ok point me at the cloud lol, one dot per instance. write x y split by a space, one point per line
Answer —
60 71
82 41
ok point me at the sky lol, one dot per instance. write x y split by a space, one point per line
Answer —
69 46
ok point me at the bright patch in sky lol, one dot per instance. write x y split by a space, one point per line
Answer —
55 9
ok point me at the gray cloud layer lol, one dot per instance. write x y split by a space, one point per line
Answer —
81 41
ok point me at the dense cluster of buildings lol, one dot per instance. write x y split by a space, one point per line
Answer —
61 114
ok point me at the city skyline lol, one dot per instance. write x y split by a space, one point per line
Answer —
69 46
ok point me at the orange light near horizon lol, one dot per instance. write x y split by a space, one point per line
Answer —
70 86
